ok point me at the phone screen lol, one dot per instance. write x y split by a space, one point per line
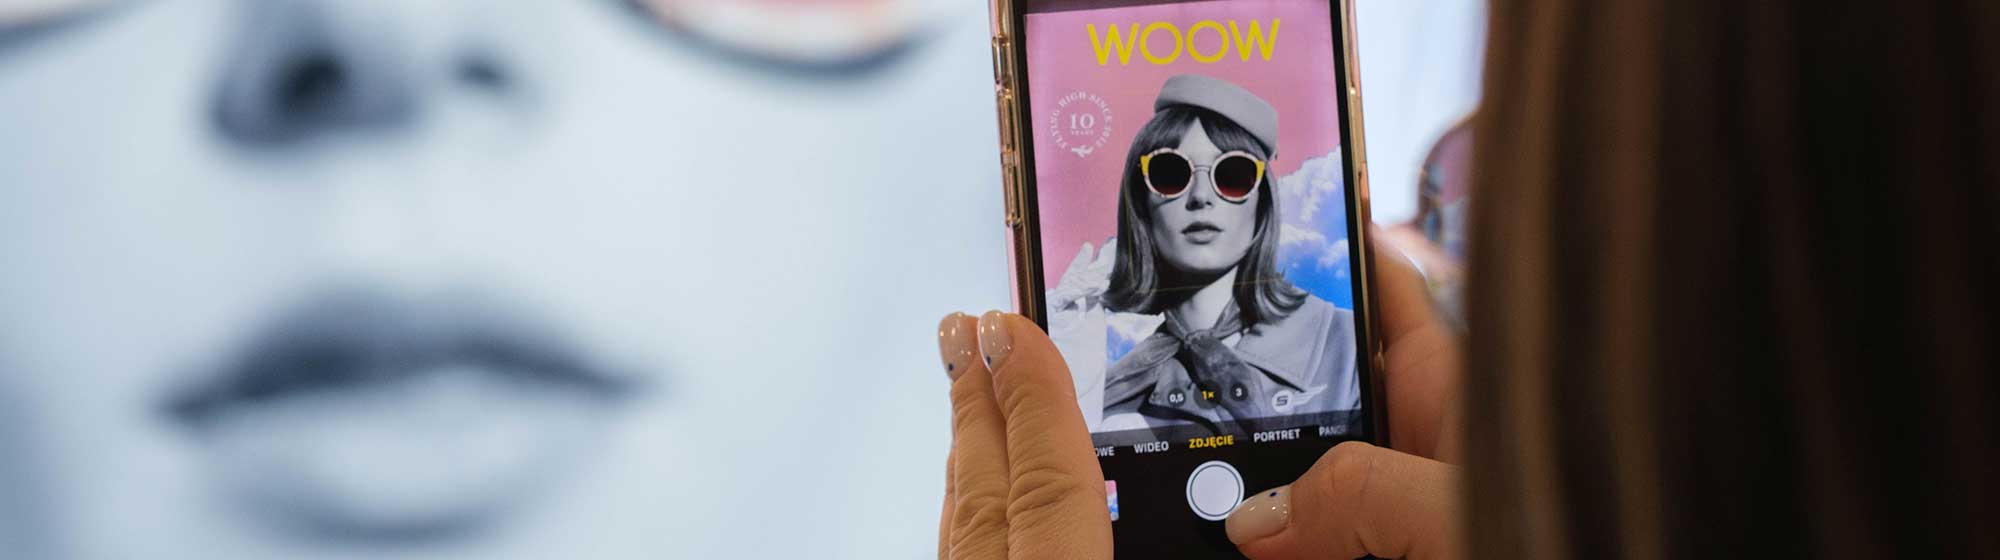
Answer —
1193 214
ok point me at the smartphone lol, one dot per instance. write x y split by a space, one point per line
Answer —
1187 195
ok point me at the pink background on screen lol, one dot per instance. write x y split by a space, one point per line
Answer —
1079 195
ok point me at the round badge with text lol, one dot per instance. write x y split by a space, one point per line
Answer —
1080 123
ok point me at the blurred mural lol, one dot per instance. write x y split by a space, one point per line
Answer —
532 279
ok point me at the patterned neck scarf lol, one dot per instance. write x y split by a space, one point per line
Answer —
1191 371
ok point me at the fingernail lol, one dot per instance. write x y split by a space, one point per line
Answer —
1263 515
958 343
994 340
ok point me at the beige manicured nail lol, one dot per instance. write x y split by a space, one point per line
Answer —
1263 515
958 343
994 340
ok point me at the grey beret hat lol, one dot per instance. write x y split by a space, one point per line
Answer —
1227 99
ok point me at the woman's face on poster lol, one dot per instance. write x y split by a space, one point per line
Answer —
1199 232
347 278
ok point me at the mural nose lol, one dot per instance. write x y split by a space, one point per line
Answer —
299 69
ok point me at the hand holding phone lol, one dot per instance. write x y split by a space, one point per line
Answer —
1212 149
1407 508
1359 499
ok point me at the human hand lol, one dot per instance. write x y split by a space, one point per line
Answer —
1024 483
1022 479
1360 499
1084 282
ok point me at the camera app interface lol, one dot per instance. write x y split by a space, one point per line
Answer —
1194 229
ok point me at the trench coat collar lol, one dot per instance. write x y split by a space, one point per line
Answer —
1286 349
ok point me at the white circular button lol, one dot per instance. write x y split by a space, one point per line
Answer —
1214 489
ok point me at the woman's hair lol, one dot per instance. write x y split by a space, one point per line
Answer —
1733 281
1140 279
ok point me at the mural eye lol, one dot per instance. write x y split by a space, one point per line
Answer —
833 36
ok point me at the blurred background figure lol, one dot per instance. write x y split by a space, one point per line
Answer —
1435 238
605 279
1421 75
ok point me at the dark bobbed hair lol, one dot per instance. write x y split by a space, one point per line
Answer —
1142 282
1732 281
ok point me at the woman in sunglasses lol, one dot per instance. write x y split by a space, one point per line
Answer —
1198 236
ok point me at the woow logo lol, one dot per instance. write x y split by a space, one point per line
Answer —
1121 41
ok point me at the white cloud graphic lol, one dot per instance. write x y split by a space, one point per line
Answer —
1304 191
1303 240
1133 327
1294 236
1335 255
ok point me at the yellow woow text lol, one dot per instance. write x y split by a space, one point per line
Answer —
1121 41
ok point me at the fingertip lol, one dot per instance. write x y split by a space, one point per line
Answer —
958 343
996 339
1264 515
1084 254
1014 343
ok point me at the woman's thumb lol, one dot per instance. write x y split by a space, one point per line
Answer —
1358 500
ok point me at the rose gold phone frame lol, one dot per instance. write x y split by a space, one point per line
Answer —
1022 247
1017 179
